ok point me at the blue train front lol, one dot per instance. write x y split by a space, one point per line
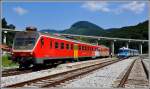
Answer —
127 52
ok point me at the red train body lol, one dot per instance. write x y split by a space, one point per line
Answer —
37 48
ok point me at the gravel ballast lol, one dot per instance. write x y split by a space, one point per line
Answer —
102 78
5 81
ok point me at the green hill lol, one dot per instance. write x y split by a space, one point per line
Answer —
85 28
139 31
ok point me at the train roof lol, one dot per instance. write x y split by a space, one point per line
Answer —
124 48
60 37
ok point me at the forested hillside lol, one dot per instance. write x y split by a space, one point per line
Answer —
139 31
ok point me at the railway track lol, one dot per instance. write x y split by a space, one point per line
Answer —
125 77
53 80
136 74
17 71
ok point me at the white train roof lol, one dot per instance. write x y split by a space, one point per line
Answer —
125 48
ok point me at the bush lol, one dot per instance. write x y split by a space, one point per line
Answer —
6 62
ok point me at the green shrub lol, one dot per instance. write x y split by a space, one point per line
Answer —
6 62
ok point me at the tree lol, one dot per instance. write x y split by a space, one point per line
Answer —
11 26
4 23
9 35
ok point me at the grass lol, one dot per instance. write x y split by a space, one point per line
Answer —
6 62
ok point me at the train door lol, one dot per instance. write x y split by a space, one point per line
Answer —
97 53
75 51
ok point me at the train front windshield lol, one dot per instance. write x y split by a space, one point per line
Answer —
25 40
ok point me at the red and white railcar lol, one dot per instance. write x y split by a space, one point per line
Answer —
32 47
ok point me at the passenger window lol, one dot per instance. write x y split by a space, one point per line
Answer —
79 47
71 46
56 44
82 47
50 44
67 46
62 45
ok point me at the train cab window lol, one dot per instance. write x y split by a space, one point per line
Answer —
56 44
42 42
62 45
67 46
71 46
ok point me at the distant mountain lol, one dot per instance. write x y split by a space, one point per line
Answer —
139 31
81 28
85 28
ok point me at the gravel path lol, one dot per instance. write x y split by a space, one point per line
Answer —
102 78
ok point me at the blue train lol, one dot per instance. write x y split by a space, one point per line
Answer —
127 52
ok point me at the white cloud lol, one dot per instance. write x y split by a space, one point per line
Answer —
20 10
134 6
96 6
103 6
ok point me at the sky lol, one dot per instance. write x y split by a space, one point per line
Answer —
61 15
